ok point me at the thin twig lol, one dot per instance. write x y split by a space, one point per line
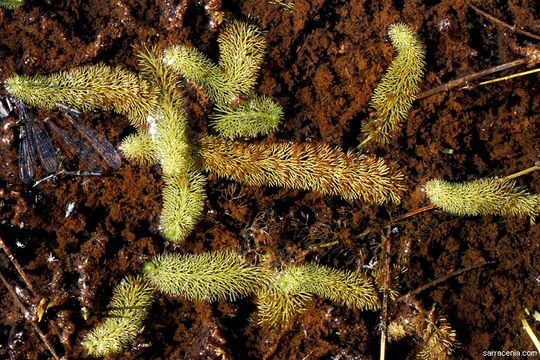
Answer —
414 213
436 282
504 78
531 333
522 172
464 81
24 311
18 267
513 28
387 248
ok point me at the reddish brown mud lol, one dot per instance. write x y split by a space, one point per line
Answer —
324 60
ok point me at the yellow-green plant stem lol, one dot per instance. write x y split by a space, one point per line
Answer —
308 166
277 306
183 194
125 319
393 97
11 4
218 276
88 88
483 197
291 288
259 115
241 47
139 148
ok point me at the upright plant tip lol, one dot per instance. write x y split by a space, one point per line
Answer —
128 311
483 197
169 143
241 47
393 97
219 276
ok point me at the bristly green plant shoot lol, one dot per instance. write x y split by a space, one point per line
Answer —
483 197
241 47
183 194
294 286
393 97
310 166
218 276
229 84
127 313
88 88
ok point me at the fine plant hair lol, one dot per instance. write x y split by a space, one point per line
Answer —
483 197
88 88
241 46
183 193
393 97
259 115
11 4
308 166
294 286
217 276
125 319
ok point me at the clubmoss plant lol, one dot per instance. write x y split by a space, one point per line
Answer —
307 166
435 333
393 97
88 88
127 313
183 194
239 112
310 166
139 148
277 306
241 47
295 285
483 197
218 276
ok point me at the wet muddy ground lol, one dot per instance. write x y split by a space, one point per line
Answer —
324 59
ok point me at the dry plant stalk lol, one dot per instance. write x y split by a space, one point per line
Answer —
308 166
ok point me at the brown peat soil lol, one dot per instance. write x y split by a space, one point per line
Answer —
324 59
